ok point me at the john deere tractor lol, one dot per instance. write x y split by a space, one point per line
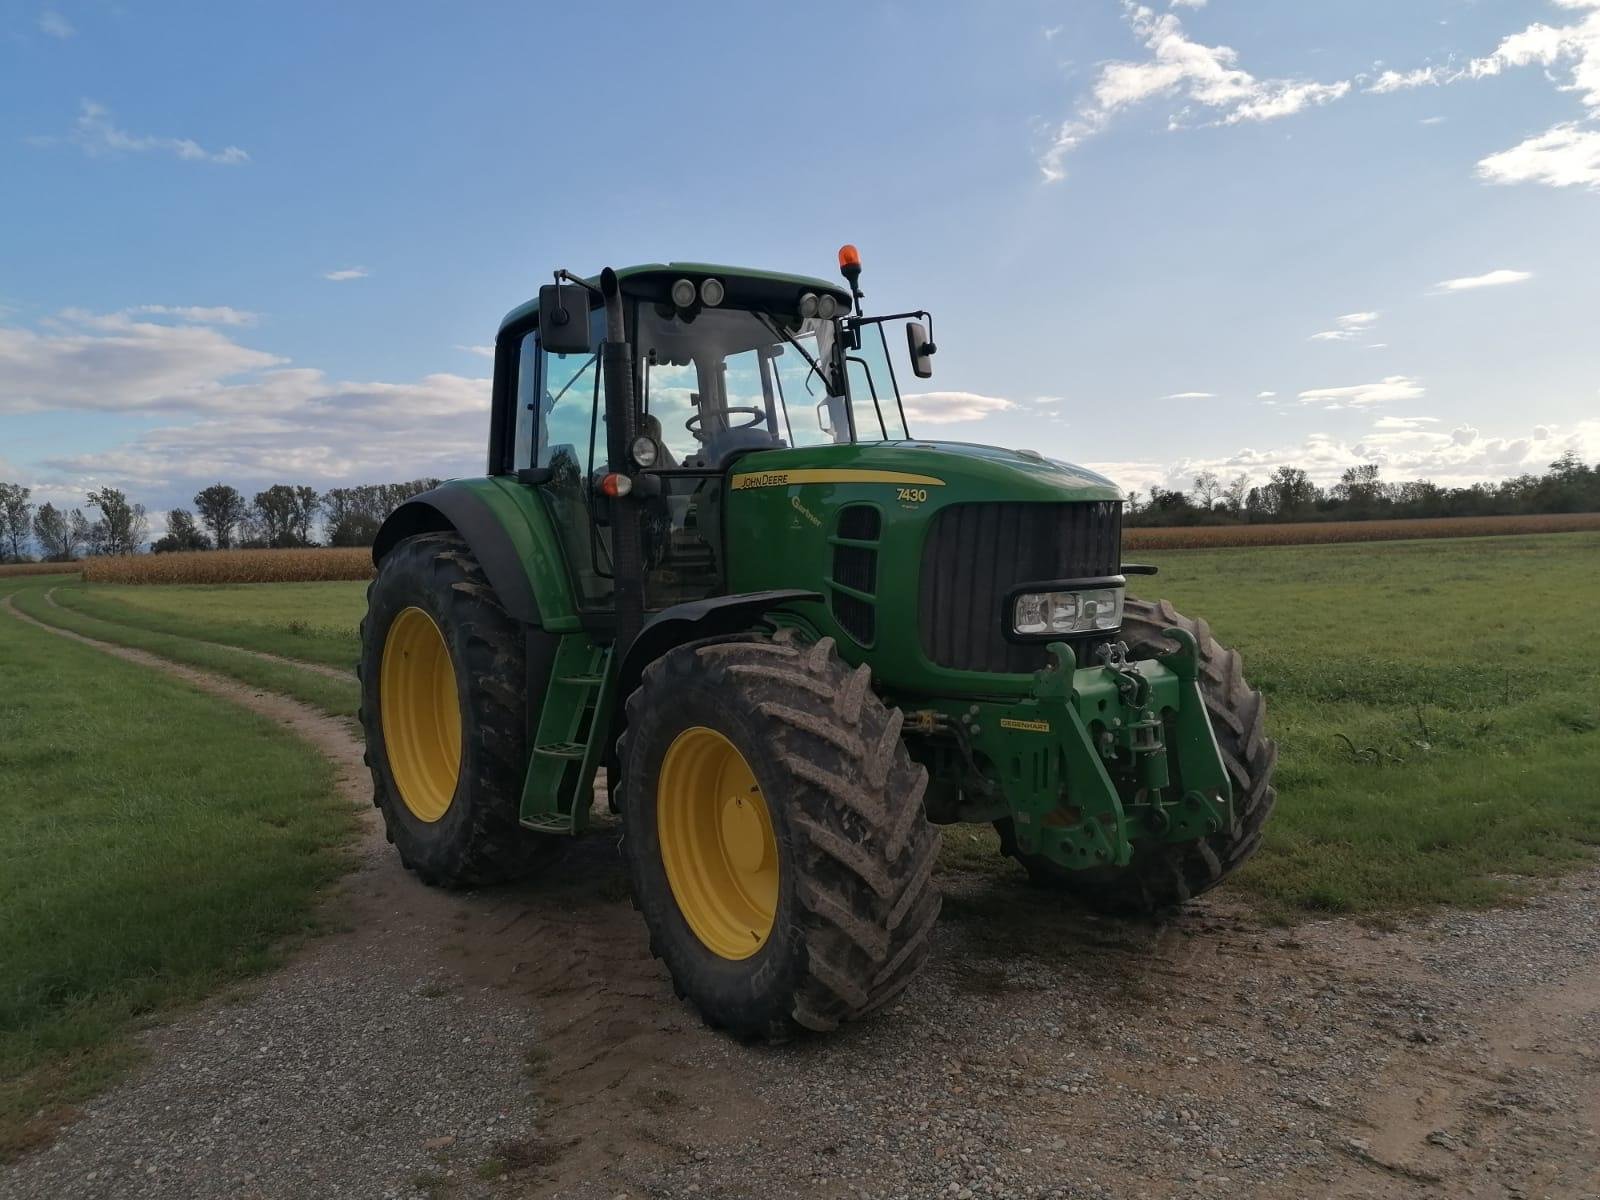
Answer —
709 559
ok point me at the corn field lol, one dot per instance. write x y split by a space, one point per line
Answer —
233 566
38 568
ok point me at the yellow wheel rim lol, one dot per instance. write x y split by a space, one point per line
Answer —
421 716
717 843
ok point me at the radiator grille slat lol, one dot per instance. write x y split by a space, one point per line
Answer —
976 553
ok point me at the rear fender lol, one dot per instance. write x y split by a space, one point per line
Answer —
509 532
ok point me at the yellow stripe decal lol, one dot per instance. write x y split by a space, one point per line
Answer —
765 479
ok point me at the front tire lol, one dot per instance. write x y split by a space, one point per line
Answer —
774 834
444 710
1164 875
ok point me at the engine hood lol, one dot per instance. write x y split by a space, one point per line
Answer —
973 471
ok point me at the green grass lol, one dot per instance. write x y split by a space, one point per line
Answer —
155 845
1463 673
338 697
316 622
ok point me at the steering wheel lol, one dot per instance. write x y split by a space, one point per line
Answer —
757 416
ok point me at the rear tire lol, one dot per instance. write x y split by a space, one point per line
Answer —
1164 875
466 835
853 908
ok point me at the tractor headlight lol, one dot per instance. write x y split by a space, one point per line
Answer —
683 293
712 292
827 307
1091 610
645 451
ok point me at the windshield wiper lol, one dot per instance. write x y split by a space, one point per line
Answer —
774 327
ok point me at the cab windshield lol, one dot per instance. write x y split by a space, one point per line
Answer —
717 382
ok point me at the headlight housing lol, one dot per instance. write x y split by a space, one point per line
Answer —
645 451
1076 610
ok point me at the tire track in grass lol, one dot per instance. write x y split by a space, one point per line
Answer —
262 655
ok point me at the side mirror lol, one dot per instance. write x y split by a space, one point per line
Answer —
921 350
564 318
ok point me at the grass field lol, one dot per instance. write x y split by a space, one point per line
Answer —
316 622
1313 533
52 599
156 844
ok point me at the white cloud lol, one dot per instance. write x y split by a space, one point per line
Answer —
1348 326
1265 395
117 362
1565 155
239 414
946 408
1386 390
345 273
1386 423
54 24
1404 449
1187 4
1185 70
1467 283
1395 81
1431 121
1191 396
94 133
221 315
480 351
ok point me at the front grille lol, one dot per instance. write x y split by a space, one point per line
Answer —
976 553
856 567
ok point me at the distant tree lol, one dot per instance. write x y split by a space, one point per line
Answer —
221 509
1207 489
352 515
1134 504
286 514
1235 494
1292 492
60 533
182 534
16 521
122 528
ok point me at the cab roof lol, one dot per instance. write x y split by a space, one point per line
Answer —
761 286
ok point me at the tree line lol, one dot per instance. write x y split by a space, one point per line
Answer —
1570 485
283 515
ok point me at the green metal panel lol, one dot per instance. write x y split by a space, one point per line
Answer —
781 511
522 512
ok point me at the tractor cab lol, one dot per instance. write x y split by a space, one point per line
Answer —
723 363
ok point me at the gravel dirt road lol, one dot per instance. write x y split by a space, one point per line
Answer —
522 1042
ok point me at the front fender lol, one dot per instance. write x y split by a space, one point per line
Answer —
715 616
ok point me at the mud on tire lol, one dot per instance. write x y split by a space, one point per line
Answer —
478 840
856 901
1163 875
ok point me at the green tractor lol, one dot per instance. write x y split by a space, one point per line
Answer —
709 559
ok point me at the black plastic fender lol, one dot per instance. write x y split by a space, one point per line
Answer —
447 508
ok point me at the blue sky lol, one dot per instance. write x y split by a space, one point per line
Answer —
262 243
